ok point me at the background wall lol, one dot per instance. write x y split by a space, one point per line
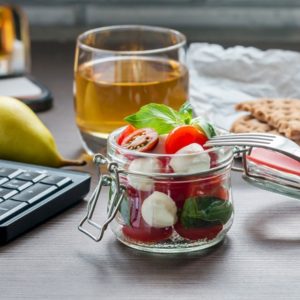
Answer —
226 21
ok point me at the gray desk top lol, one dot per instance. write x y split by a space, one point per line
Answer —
260 259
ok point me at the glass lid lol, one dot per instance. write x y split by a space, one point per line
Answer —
271 171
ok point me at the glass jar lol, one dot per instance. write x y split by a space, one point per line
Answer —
153 208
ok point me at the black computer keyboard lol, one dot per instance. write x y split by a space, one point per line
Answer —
31 194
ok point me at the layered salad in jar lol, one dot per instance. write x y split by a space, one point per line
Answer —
177 189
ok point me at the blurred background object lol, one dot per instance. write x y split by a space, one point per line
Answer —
226 22
14 41
7 31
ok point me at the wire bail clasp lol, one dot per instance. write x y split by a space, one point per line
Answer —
112 178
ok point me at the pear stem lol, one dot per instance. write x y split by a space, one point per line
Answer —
69 162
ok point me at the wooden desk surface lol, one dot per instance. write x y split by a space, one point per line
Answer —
260 259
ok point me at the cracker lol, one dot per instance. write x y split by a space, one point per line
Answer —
281 114
248 123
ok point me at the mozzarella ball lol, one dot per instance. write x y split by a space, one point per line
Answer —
159 210
143 165
191 164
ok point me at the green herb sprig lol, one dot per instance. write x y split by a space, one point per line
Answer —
163 118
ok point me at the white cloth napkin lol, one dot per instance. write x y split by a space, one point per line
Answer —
220 78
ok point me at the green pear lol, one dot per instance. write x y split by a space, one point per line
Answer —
24 138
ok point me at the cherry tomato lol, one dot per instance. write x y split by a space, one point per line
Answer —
165 163
221 193
147 235
182 136
207 232
206 186
179 191
184 188
213 158
127 130
141 140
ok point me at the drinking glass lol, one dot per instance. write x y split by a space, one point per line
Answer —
118 69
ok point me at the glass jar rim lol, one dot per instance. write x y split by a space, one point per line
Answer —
179 44
113 149
116 147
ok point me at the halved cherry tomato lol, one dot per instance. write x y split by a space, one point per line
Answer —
127 130
141 140
182 136
207 232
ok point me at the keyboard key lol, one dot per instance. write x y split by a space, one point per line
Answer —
32 176
17 184
7 193
35 193
8 172
57 180
3 180
9 208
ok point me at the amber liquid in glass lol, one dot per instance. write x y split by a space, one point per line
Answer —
109 90
7 33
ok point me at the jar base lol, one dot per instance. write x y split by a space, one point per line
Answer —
168 248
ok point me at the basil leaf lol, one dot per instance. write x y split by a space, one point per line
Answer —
191 215
157 116
209 209
219 210
205 126
186 112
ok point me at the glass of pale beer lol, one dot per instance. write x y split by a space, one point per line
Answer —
118 69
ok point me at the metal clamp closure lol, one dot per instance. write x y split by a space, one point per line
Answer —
112 178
